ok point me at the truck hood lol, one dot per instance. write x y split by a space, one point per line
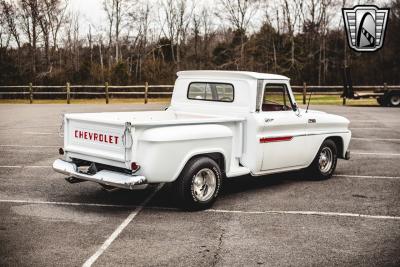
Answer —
311 111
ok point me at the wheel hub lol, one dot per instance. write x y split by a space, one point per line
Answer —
204 184
325 160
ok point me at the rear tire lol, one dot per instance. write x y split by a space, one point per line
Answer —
324 163
199 184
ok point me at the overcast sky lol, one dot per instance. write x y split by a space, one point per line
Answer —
91 11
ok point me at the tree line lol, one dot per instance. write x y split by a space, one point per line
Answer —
44 42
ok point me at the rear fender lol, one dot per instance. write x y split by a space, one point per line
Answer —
205 153
163 152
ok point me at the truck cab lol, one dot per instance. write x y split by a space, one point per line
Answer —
220 124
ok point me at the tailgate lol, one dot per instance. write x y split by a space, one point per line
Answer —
104 142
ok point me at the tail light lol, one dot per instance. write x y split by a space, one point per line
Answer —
134 167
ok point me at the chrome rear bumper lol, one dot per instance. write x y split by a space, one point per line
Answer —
111 178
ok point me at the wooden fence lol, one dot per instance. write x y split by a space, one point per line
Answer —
68 91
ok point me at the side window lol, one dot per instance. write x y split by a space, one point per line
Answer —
276 98
221 92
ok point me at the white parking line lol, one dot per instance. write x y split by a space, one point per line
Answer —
375 154
119 229
39 133
30 146
375 139
363 121
64 203
366 176
143 204
370 128
11 167
24 166
299 212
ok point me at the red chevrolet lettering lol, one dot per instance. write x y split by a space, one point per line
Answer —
98 137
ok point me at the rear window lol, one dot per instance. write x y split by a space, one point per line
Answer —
221 92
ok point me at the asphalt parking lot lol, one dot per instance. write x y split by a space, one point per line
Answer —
351 219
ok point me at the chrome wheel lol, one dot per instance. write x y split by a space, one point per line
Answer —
325 160
204 184
395 100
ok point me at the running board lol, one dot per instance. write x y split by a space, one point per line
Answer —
238 171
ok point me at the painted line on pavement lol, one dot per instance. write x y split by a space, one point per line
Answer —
119 229
366 176
370 128
299 212
64 203
142 206
11 167
375 154
363 120
39 133
375 139
23 166
83 204
30 146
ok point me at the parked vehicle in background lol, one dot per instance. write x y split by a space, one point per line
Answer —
386 96
220 124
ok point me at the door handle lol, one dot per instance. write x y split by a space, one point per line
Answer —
267 120
312 120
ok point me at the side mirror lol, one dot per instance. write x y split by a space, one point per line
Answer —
295 107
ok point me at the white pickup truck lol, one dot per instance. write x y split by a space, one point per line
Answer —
220 124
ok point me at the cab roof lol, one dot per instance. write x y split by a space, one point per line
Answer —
230 74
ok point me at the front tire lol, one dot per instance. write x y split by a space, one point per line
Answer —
199 184
324 163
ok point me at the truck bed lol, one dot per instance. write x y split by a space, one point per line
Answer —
111 138
150 118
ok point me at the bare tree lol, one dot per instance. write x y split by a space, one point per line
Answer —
30 24
292 11
5 35
90 41
116 11
142 19
100 44
10 17
56 12
239 13
177 18
207 29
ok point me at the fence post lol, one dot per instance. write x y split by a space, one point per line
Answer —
146 92
385 87
68 89
106 91
30 93
304 93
